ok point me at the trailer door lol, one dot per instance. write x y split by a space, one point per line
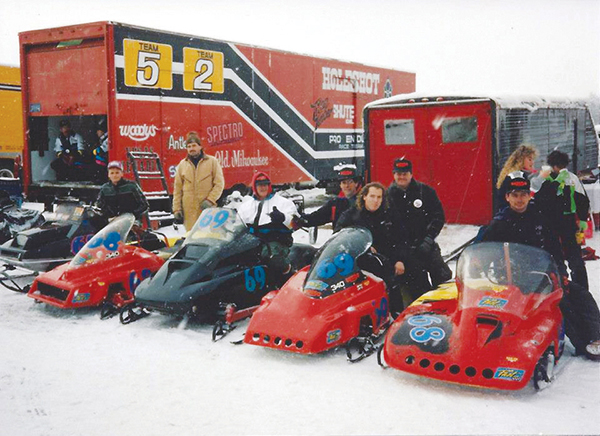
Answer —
459 144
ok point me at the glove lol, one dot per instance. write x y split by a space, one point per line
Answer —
298 222
425 247
583 226
206 204
276 216
178 218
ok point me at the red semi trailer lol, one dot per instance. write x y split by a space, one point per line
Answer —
291 115
458 144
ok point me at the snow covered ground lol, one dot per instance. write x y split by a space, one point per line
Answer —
69 373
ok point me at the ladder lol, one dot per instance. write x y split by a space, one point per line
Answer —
147 166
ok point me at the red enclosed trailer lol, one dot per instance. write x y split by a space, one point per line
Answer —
291 115
458 145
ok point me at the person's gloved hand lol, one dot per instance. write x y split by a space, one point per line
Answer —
277 217
206 204
178 218
583 225
425 247
299 222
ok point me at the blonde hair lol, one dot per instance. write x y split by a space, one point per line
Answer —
193 137
515 161
360 198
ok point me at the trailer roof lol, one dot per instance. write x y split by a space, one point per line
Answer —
529 102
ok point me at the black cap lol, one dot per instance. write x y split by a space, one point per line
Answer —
402 165
516 181
346 173
64 123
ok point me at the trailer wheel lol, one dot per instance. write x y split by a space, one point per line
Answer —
543 374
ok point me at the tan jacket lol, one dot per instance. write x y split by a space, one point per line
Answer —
193 185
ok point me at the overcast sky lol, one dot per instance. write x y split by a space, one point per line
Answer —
542 47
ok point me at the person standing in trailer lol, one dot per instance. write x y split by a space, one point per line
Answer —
69 147
198 185
423 215
101 152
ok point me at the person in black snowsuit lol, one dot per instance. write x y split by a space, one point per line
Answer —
331 211
389 258
564 202
119 195
69 148
422 213
522 222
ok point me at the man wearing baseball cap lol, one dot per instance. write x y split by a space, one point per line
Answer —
331 211
422 214
523 223
119 195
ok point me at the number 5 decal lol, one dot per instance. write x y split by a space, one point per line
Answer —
148 60
148 64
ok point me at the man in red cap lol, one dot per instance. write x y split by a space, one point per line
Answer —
269 216
523 223
331 211
119 195
422 213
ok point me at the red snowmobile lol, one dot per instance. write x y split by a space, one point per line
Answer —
326 305
104 272
498 327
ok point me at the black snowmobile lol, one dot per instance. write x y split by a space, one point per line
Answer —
14 219
218 268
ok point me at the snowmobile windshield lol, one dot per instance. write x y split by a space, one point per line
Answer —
335 267
504 276
66 212
216 225
105 244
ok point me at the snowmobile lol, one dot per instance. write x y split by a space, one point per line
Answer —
104 272
498 326
64 233
219 265
14 219
330 304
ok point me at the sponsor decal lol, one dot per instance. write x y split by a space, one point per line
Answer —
338 285
224 133
138 132
510 374
497 303
334 336
176 144
311 292
354 277
238 158
316 284
81 298
321 111
388 90
336 79
344 112
512 359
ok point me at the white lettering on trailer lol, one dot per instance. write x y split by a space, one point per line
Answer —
335 139
224 133
344 112
176 144
138 132
239 159
336 79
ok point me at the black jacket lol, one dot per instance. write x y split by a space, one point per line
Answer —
389 234
529 228
330 212
556 205
124 197
420 210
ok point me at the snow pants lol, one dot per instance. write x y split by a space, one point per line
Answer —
581 316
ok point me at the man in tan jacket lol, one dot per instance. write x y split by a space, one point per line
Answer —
199 183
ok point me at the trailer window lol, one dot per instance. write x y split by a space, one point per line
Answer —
462 129
399 132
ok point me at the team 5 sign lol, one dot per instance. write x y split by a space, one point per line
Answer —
150 65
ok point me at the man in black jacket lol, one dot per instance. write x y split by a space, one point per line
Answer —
331 211
421 212
119 196
389 247
522 222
